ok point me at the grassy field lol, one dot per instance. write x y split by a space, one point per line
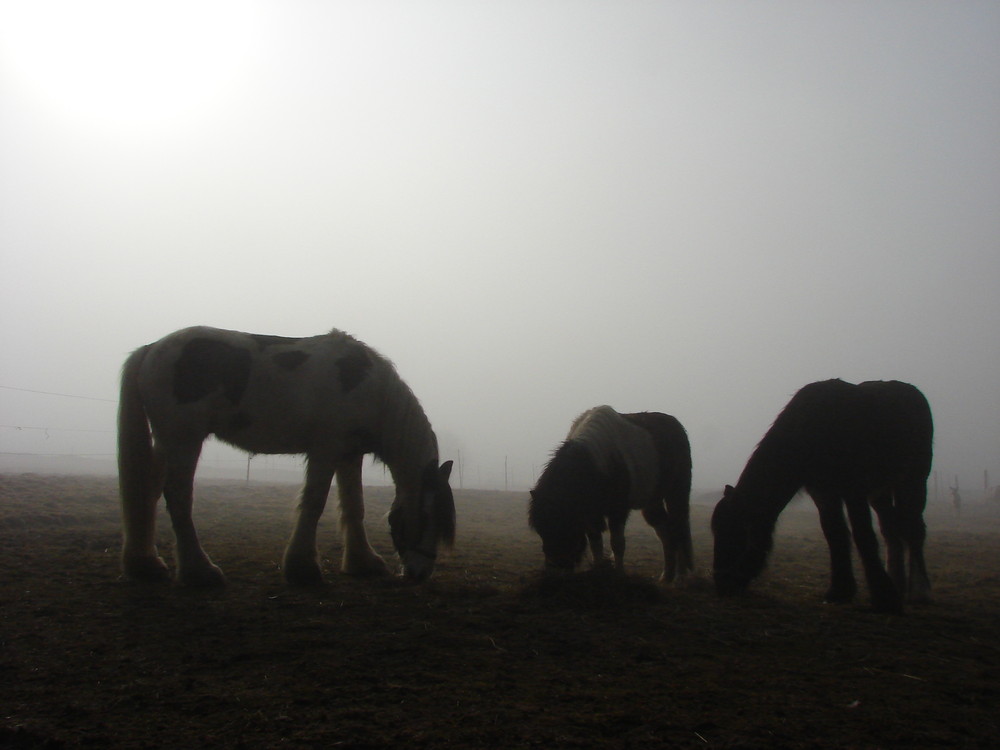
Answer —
487 654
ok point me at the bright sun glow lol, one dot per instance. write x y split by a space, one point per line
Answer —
124 65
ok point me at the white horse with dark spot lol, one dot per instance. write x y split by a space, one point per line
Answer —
329 397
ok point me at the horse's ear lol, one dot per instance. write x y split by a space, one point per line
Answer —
445 470
728 492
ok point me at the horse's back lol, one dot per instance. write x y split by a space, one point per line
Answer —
263 393
672 447
866 434
666 430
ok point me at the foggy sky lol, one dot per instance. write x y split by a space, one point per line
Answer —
531 208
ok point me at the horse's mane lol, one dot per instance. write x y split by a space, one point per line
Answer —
778 462
406 441
820 426
614 442
569 483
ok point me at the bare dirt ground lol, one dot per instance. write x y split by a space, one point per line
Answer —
486 654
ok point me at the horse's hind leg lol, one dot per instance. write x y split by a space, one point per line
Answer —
888 522
884 594
194 568
838 540
359 557
911 498
140 559
616 537
680 532
656 516
596 541
301 559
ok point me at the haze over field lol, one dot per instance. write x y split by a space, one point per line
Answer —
531 207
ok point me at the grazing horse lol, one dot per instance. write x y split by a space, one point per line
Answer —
847 445
609 465
329 397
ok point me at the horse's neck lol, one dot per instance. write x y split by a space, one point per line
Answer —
408 442
771 477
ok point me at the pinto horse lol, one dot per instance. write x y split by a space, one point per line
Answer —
329 397
609 465
847 445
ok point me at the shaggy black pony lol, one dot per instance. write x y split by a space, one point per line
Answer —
610 464
847 445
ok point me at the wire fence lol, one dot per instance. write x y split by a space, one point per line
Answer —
34 446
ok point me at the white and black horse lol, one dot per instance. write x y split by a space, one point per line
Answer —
609 465
847 445
329 397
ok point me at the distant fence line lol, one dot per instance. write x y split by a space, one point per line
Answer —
505 477
62 395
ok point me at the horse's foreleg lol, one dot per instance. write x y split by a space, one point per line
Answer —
359 557
838 540
884 594
301 561
194 568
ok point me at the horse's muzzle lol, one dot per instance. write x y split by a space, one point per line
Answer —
557 570
729 584
417 567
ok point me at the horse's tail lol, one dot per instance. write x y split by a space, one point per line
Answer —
140 470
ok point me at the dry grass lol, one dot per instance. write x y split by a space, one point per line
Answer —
488 654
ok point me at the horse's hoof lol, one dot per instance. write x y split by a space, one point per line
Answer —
202 578
832 598
367 565
919 595
303 573
840 595
888 605
146 570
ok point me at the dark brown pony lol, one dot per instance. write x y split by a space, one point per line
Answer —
849 446
609 465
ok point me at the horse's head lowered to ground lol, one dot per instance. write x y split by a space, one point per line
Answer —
743 539
420 521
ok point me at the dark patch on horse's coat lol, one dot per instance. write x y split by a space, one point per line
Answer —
264 340
241 421
291 359
364 442
353 367
207 365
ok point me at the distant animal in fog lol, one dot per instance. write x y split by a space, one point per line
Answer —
609 465
847 445
329 397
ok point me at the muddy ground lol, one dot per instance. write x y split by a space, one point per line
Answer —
486 654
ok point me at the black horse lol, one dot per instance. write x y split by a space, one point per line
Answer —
847 445
610 464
